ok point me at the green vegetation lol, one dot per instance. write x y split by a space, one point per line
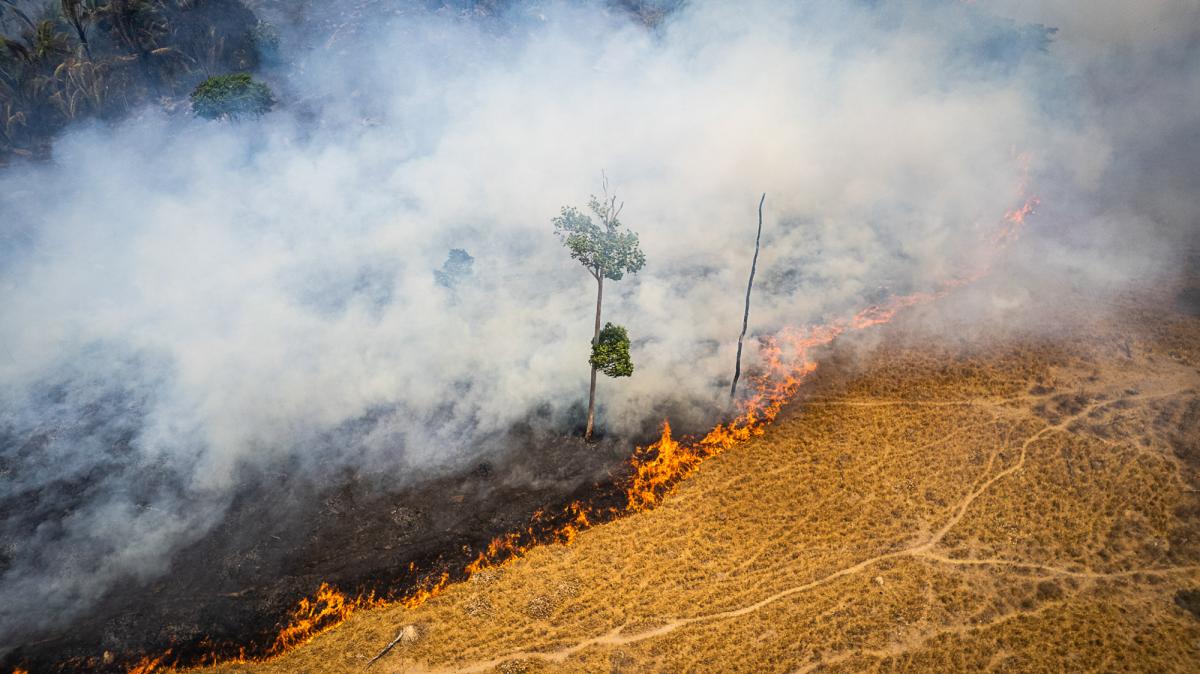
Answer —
231 96
610 353
71 59
606 251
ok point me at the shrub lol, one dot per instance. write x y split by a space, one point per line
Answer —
231 96
610 354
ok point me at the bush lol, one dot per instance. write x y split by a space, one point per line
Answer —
231 96
610 354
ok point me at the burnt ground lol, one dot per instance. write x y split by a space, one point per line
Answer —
1008 504
284 535
1188 301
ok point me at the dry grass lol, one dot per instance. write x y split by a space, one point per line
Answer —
1020 507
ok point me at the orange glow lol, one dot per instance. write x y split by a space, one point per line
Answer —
654 470
1014 220
147 664
314 616
425 591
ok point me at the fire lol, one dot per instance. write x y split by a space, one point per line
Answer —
425 591
1014 220
658 467
661 465
146 664
655 470
311 617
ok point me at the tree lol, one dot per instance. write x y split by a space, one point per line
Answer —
231 96
457 267
606 251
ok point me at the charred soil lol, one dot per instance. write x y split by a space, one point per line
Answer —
231 591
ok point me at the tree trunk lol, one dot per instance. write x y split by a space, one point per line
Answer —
737 365
587 435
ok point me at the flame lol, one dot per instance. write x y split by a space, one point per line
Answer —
659 466
425 591
146 664
311 617
654 470
1014 220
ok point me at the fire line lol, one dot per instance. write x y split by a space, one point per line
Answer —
655 470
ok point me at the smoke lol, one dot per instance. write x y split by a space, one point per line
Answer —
184 301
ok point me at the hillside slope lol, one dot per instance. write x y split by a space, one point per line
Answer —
1027 504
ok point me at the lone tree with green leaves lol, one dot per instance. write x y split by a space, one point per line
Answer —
606 251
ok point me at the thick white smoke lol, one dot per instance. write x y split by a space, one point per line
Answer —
182 299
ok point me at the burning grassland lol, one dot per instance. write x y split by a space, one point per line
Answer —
313 354
930 509
651 473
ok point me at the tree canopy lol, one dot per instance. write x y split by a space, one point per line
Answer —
458 266
605 249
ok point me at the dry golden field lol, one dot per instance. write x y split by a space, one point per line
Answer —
1016 503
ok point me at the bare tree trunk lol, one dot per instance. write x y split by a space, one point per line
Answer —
737 366
587 435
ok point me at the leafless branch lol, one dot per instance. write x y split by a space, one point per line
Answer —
385 650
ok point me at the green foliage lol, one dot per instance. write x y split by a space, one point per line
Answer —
604 249
610 353
62 60
231 96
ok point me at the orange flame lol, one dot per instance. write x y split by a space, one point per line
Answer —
147 664
311 617
425 591
654 469
659 466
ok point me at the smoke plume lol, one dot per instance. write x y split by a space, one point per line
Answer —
183 301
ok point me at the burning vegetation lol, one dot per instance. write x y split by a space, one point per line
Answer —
238 409
650 475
